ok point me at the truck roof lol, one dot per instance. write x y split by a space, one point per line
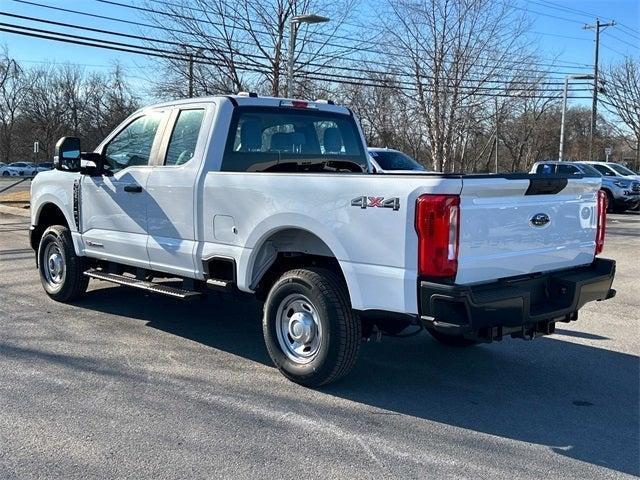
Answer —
256 101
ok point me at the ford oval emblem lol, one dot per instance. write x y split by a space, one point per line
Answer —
539 220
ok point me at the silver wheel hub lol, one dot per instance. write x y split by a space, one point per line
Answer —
301 327
54 266
298 328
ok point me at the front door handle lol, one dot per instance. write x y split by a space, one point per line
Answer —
133 188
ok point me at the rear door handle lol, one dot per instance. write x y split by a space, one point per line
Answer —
133 188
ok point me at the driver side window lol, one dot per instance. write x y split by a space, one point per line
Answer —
132 146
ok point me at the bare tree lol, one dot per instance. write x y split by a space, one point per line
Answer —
13 90
453 51
520 129
236 45
622 83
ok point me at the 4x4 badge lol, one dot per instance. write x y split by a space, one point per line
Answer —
380 202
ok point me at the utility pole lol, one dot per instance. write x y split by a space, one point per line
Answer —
497 134
594 106
190 75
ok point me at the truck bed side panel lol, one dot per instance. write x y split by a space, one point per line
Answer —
376 246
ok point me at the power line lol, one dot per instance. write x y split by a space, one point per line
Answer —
358 40
186 17
320 55
509 83
189 56
172 55
612 49
621 40
552 5
528 10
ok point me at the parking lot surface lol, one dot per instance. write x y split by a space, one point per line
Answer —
127 385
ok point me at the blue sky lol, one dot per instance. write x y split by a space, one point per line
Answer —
558 31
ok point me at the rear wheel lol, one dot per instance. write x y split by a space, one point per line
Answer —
310 331
451 340
5 174
61 270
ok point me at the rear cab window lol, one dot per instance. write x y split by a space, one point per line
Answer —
568 170
545 168
184 137
285 139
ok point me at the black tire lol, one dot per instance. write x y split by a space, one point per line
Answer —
5 174
72 284
610 202
341 330
457 341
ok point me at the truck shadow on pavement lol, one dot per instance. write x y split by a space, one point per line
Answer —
581 401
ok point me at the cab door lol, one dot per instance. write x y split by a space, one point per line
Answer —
172 190
114 205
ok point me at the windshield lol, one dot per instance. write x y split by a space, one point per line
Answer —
392 160
621 170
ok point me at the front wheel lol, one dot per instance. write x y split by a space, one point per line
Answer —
61 270
310 330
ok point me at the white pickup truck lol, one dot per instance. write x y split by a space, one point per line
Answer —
276 198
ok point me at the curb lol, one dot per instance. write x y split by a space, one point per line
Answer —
20 212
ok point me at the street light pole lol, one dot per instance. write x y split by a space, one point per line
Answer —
293 30
190 75
564 108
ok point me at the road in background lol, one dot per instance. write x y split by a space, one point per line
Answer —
127 385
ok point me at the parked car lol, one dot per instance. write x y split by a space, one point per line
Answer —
622 193
270 197
387 160
23 168
612 169
615 170
5 171
43 167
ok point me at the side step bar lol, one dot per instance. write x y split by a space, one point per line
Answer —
142 284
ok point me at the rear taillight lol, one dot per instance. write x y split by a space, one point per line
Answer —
438 225
601 220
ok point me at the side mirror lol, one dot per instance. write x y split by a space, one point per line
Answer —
67 154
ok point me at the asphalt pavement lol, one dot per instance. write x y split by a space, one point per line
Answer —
127 385
25 185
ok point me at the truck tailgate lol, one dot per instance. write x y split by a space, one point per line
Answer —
517 226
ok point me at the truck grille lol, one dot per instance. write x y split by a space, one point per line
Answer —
635 187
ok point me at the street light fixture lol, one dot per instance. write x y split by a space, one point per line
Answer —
564 107
293 30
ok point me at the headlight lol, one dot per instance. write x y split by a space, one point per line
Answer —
622 184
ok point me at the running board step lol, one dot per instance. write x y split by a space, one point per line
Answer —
142 284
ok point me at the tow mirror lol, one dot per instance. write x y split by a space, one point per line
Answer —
67 154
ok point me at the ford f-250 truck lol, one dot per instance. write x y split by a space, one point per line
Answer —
276 197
